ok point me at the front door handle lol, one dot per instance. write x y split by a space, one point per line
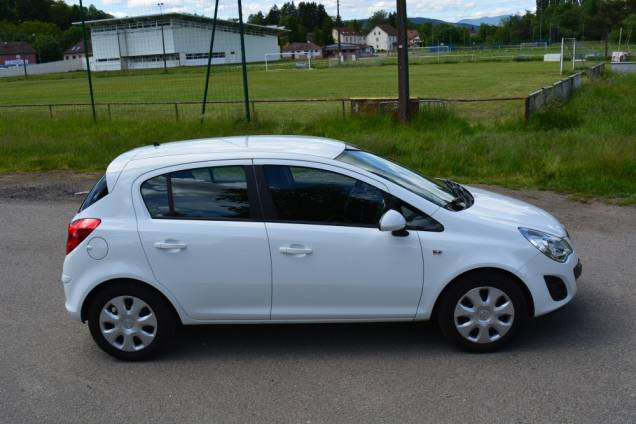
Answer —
169 246
296 250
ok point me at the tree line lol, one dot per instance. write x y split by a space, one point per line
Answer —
45 24
552 20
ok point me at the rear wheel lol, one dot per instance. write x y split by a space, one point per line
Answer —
130 321
482 311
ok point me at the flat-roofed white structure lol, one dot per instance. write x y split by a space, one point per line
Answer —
139 42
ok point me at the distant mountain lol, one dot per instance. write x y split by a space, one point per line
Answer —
420 21
490 20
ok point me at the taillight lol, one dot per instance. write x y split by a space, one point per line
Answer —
79 230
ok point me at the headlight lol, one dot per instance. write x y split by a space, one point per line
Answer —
553 247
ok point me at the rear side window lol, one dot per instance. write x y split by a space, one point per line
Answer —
309 195
98 192
202 193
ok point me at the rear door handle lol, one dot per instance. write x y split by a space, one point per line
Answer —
296 250
170 246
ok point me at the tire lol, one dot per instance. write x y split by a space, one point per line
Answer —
482 311
146 323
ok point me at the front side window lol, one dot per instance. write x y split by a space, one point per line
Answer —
202 193
430 189
309 195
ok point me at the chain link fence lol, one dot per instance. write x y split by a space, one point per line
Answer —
163 64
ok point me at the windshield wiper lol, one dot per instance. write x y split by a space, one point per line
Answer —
463 197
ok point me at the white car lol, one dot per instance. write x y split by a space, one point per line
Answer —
280 229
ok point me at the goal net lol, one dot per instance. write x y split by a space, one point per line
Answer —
289 60
568 54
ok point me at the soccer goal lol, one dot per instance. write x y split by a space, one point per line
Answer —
568 52
288 60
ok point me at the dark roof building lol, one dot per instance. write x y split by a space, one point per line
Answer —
16 47
16 53
301 47
348 50
389 29
77 51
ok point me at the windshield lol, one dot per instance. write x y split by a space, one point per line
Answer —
431 190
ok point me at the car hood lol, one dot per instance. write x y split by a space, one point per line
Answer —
497 208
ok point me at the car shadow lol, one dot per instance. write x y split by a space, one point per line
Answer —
568 328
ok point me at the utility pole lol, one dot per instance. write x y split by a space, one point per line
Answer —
403 63
163 39
338 26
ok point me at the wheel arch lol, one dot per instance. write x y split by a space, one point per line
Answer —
524 288
95 290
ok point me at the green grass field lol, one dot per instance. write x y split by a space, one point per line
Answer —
451 81
586 148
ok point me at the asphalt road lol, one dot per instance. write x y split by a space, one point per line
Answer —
577 365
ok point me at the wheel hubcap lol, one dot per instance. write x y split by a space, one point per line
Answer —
484 315
128 323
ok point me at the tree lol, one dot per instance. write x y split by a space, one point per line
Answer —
379 17
256 19
47 48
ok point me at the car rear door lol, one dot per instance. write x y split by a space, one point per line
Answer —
329 259
202 232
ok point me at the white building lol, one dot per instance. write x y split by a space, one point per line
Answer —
348 36
140 42
382 38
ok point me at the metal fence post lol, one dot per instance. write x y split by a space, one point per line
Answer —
246 94
51 111
176 111
207 72
88 64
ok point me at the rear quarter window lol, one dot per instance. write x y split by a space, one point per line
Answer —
98 192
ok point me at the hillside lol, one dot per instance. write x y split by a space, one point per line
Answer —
489 20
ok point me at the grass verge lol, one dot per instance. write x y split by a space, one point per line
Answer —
586 148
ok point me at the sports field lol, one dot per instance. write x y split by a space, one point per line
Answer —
481 80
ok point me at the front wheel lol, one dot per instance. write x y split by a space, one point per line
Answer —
482 311
129 321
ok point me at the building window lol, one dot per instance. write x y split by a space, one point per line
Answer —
215 55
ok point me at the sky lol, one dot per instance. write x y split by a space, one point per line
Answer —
448 10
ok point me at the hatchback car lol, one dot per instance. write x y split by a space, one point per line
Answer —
275 229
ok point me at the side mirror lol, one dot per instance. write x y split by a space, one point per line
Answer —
392 221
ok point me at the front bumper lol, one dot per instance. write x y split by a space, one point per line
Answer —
534 273
578 270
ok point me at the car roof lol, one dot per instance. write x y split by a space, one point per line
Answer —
244 146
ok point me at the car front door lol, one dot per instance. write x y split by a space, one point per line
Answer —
329 259
205 240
